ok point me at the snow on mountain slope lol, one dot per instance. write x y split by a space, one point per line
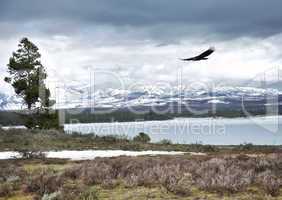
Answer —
153 95
148 96
9 102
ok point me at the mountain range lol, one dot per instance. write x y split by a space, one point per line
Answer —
147 96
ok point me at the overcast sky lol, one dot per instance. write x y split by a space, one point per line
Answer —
143 39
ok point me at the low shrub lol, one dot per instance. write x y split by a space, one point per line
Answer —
246 147
178 175
27 154
6 189
96 173
72 172
52 196
199 147
45 182
270 183
165 142
222 175
142 138
89 194
180 186
73 191
11 173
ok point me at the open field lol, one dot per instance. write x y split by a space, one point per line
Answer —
48 140
44 140
223 172
162 177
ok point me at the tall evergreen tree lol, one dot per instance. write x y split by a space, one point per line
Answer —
27 76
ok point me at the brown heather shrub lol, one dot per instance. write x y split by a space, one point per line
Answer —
96 173
45 182
270 183
10 171
5 171
110 183
88 195
6 189
72 172
179 185
170 182
222 175
71 191
178 175
75 191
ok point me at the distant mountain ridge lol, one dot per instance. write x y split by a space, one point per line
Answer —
9 102
151 96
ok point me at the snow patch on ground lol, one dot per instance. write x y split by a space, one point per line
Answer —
217 101
13 127
92 154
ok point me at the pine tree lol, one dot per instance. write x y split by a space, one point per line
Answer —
27 76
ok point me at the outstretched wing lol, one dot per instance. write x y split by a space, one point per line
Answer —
188 59
202 56
206 53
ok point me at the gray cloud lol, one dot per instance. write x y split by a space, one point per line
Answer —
148 35
158 19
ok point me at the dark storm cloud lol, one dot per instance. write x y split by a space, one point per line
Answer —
171 18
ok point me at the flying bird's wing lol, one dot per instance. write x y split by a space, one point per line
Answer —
188 59
202 56
206 53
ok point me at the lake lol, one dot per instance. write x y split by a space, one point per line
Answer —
216 131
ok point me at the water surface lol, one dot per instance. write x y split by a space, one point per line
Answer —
217 131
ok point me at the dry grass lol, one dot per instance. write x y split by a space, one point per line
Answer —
179 176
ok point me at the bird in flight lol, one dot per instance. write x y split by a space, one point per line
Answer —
202 56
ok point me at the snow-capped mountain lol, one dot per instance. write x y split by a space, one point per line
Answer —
151 96
9 102
158 96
